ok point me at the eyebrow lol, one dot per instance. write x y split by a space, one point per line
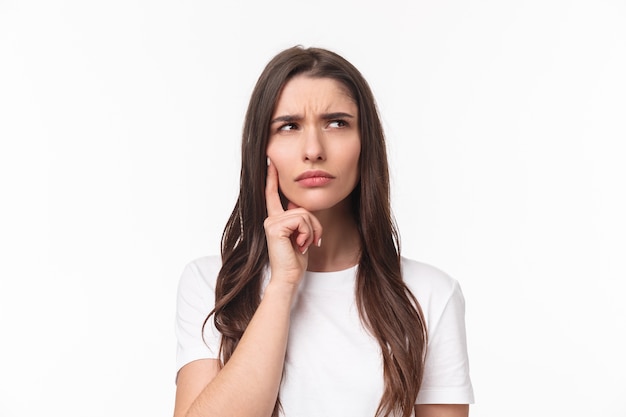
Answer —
326 116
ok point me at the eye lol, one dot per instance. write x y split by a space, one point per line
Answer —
338 124
287 127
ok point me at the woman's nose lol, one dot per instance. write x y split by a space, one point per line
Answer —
313 146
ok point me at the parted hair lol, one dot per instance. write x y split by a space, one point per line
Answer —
387 308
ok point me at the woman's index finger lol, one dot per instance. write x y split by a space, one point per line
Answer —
272 198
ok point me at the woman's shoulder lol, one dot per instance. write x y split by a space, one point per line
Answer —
423 274
201 271
428 283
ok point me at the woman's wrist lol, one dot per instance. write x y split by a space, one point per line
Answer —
281 288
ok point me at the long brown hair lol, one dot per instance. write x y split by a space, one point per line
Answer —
386 306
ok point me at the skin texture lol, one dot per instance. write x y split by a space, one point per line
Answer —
314 127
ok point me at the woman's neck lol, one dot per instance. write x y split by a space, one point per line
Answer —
341 243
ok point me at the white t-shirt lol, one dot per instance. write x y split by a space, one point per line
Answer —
333 367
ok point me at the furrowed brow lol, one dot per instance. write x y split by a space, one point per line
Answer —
337 115
286 118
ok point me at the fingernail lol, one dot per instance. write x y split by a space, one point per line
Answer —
305 249
268 161
319 242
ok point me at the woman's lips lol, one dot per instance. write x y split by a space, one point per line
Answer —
314 178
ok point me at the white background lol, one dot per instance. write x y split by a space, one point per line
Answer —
120 125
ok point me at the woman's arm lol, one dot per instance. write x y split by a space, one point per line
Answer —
442 410
248 383
191 380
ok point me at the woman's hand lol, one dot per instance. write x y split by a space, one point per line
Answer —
289 234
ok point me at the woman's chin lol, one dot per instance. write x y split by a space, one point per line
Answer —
311 206
314 206
307 206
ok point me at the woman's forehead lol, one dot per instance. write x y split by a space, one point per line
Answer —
314 94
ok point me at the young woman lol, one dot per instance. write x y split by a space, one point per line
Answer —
311 310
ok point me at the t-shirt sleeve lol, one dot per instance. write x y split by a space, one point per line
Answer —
446 371
195 299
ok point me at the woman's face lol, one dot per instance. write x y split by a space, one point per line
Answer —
314 142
